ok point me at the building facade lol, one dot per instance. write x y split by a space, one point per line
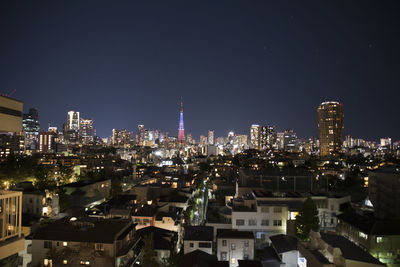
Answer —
11 239
330 125
233 246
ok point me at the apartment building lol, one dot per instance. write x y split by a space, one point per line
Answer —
233 245
87 242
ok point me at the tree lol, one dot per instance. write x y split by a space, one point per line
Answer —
307 220
148 259
44 177
65 174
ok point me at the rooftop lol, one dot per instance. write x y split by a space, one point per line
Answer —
83 230
200 258
349 250
368 224
284 243
199 233
233 234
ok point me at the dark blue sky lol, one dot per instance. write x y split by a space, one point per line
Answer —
234 62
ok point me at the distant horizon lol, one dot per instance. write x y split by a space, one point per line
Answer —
59 128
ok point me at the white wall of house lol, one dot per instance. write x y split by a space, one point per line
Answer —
266 221
190 245
290 258
232 250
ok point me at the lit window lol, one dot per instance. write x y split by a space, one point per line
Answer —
98 246
65 244
65 261
363 235
277 222
233 261
224 243
379 239
223 256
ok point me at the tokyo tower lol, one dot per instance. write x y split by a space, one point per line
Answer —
181 129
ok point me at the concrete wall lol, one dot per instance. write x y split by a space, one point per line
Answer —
239 251
187 248
10 123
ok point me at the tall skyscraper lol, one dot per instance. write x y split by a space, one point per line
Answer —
255 136
290 141
140 135
267 137
72 127
211 137
30 122
11 137
73 121
86 130
181 129
31 127
330 125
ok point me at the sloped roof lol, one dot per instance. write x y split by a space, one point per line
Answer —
199 233
349 250
284 243
87 230
200 258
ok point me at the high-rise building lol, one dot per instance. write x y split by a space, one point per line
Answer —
203 140
255 136
72 127
181 129
140 135
11 136
73 121
211 137
31 127
30 122
10 114
46 142
189 139
86 130
290 141
330 125
386 141
267 137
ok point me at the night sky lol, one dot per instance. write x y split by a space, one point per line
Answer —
234 63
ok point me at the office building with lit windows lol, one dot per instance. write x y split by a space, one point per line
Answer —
11 135
211 137
31 126
86 131
72 127
330 126
255 136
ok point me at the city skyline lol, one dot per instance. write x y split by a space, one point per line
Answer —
263 63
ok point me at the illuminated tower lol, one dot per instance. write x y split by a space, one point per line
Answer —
330 125
181 129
